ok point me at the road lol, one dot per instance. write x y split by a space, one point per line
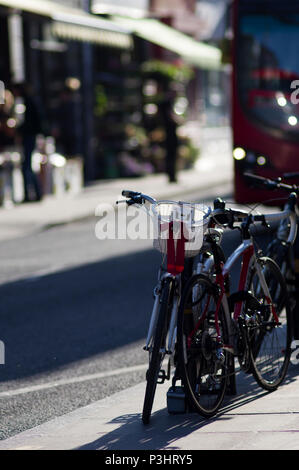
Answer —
71 308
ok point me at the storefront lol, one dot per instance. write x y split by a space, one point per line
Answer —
4 55
55 49
85 72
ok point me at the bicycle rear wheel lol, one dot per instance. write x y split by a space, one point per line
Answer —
284 257
270 342
203 363
157 350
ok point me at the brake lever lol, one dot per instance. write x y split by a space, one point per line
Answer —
129 202
136 200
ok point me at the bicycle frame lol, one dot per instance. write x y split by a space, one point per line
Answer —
245 251
174 313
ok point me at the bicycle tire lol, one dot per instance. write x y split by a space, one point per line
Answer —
203 375
270 344
283 255
156 356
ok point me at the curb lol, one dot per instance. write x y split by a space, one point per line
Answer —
174 192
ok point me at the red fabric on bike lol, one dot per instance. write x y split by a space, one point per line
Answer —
180 251
175 255
171 251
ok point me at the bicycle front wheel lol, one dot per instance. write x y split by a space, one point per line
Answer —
203 363
157 350
270 335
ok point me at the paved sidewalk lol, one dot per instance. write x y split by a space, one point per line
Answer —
252 420
211 169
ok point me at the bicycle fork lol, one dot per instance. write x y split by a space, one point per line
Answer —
169 346
265 289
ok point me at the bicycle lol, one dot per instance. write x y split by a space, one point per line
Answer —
214 327
280 249
204 263
161 335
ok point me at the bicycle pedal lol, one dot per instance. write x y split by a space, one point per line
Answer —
176 400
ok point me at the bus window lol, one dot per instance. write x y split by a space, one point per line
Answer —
268 64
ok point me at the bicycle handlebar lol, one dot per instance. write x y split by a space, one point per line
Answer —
129 193
223 216
273 184
290 205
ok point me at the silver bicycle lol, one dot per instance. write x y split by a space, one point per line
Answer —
172 221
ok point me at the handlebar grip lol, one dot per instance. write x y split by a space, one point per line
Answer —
130 194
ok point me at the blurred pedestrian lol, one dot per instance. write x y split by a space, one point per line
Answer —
27 132
67 124
6 132
170 125
7 129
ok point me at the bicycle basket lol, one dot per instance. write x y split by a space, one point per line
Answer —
184 220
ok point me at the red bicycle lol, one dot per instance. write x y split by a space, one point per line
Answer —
253 324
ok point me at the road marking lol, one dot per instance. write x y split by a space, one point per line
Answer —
73 380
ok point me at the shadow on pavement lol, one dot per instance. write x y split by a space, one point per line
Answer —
74 314
165 430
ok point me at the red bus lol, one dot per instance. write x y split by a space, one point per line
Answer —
265 95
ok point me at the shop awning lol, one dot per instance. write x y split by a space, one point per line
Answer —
192 51
90 30
75 24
